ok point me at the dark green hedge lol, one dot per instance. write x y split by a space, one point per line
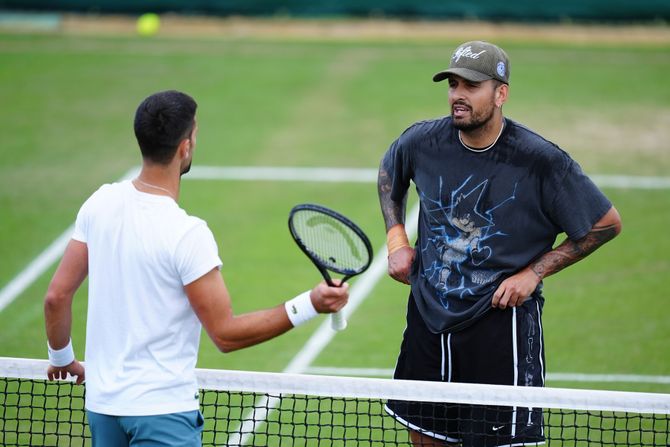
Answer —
512 10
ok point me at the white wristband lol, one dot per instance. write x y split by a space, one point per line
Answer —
61 357
300 309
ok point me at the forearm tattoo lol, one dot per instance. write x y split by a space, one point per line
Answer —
393 211
569 251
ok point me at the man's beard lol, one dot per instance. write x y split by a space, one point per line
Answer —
476 122
185 169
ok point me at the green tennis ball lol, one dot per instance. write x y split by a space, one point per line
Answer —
148 24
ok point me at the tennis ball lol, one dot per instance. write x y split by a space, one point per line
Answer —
148 24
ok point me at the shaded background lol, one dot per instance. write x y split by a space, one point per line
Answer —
518 10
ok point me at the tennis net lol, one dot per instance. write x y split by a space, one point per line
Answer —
273 409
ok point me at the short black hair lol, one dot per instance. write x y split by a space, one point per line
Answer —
162 121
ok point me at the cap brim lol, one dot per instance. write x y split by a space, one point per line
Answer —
464 73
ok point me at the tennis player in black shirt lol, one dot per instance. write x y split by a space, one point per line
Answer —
494 197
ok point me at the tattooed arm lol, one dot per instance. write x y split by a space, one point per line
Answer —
393 212
570 252
514 290
401 254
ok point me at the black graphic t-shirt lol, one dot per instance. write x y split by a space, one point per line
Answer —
484 215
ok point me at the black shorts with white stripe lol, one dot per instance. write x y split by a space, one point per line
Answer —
503 347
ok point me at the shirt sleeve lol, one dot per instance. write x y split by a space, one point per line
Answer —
578 203
87 210
81 223
196 254
398 165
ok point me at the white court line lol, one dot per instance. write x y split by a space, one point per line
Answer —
35 269
562 377
366 175
42 262
622 378
289 174
359 292
321 338
51 254
630 182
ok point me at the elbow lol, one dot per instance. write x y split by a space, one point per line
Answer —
227 347
609 226
617 224
617 229
224 338
228 344
55 300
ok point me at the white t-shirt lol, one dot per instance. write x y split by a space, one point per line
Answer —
142 335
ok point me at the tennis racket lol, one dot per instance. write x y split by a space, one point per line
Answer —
333 243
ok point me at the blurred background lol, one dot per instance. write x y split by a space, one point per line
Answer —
620 11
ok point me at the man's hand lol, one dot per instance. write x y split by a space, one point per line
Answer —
400 264
75 369
516 289
326 299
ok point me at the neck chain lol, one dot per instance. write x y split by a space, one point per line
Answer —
485 148
155 187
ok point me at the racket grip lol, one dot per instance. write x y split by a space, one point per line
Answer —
337 321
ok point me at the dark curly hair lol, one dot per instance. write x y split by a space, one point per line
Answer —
162 121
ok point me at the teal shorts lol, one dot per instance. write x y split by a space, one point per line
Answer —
174 429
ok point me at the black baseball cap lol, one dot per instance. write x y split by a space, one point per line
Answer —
477 61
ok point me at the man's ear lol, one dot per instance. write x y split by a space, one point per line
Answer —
184 148
501 94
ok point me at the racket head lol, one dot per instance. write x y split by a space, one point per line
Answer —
333 242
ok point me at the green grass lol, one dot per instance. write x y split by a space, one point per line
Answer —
67 114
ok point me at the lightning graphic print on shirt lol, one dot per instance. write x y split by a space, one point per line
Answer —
461 232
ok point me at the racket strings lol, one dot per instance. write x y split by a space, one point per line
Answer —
337 246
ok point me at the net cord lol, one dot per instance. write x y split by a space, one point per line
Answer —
370 388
